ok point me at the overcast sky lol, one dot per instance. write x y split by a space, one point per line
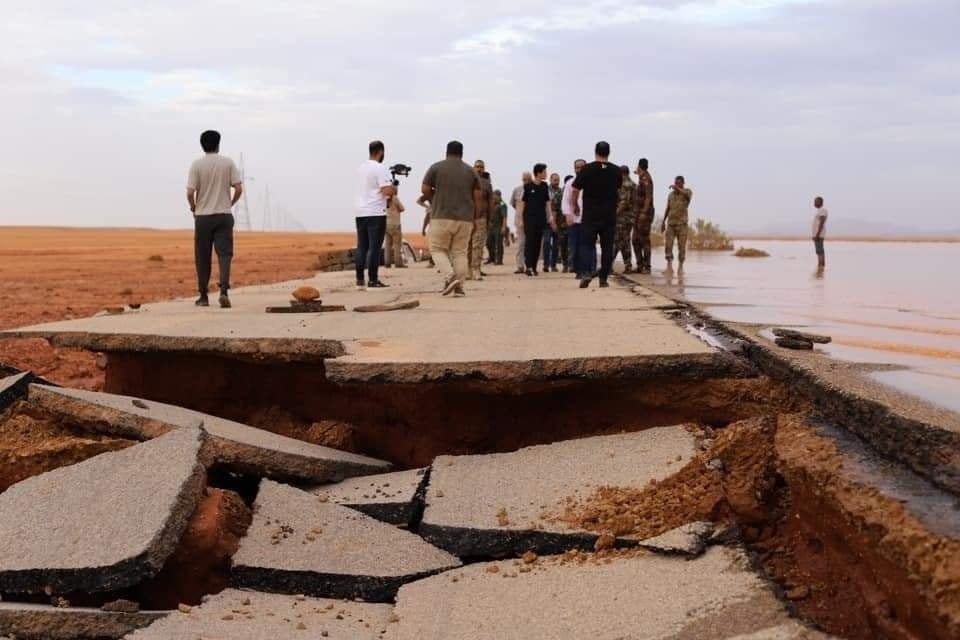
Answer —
761 104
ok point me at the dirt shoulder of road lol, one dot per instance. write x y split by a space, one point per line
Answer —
52 274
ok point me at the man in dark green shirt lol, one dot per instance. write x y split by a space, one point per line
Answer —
497 229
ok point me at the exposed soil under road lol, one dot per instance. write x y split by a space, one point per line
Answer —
52 274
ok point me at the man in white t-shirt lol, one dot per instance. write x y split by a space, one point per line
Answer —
214 185
375 188
819 230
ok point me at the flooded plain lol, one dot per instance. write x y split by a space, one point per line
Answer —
884 303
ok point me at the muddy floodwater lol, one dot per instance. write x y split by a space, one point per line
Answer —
885 303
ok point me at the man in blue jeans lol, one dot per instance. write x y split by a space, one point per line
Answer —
375 188
579 263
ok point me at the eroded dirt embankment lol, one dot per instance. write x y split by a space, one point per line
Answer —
411 424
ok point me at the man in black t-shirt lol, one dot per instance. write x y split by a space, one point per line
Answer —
599 181
533 213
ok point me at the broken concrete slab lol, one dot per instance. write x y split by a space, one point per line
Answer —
241 447
492 505
602 597
14 387
45 622
103 524
690 539
249 615
394 498
299 544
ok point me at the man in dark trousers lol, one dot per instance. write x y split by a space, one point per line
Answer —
600 182
533 213
375 188
208 191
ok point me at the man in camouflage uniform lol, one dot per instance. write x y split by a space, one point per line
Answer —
625 217
497 229
479 237
644 220
676 220
561 227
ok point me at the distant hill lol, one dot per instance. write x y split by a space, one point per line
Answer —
845 227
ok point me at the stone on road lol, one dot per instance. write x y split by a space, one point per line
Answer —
249 615
238 446
492 505
45 622
300 544
104 524
716 596
389 497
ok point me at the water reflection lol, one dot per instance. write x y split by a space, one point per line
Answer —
883 302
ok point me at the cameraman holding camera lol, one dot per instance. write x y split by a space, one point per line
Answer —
375 188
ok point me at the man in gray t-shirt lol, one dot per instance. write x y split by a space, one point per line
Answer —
453 190
209 185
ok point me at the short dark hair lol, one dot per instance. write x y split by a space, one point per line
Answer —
579 160
567 179
210 141
603 149
376 147
455 148
680 178
625 170
539 168
643 164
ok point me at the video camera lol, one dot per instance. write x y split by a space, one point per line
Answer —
399 170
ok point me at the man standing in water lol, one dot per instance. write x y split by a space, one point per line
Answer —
676 221
820 231
208 193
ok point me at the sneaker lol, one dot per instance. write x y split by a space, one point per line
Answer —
529 273
224 301
202 301
376 284
361 285
451 286
459 292
604 284
565 269
585 282
628 269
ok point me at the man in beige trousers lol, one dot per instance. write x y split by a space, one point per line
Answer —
453 190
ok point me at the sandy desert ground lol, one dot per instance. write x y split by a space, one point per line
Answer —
53 274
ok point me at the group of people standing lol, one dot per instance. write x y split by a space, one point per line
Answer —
561 223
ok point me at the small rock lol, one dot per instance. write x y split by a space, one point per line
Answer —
493 569
306 294
798 335
604 542
529 557
245 602
140 404
101 361
184 608
795 344
715 465
121 606
301 626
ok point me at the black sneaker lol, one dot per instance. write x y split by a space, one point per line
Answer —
361 284
529 273
202 301
604 284
376 284
224 301
585 282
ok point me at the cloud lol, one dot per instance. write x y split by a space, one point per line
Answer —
757 102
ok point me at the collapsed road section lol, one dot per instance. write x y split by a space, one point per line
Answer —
532 461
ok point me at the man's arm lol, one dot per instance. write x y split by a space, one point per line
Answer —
426 222
666 216
648 195
192 199
426 194
400 207
491 207
237 192
823 222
